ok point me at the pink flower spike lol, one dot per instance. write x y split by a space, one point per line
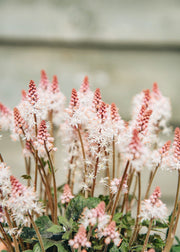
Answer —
156 92
164 150
135 144
147 97
97 99
44 82
154 198
33 96
176 144
74 102
19 122
114 113
17 187
42 133
67 195
100 209
4 110
23 95
102 112
80 239
54 85
85 85
111 234
144 120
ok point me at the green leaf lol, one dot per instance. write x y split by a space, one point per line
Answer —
124 247
28 235
160 224
43 223
104 198
114 249
25 176
175 248
55 229
61 248
97 247
29 250
65 223
177 239
117 217
37 248
66 235
77 204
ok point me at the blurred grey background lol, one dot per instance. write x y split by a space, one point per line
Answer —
123 46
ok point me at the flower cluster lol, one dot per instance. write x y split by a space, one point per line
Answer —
153 208
100 150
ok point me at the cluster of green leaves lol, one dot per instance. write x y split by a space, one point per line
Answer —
56 237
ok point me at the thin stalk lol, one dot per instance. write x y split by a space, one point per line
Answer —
168 241
176 222
151 180
11 226
83 153
114 157
118 164
108 174
1 158
50 115
73 179
70 171
54 184
119 189
126 196
95 174
37 232
6 238
147 236
5 244
134 191
36 156
45 182
135 233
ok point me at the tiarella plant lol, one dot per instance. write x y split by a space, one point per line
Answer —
100 206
